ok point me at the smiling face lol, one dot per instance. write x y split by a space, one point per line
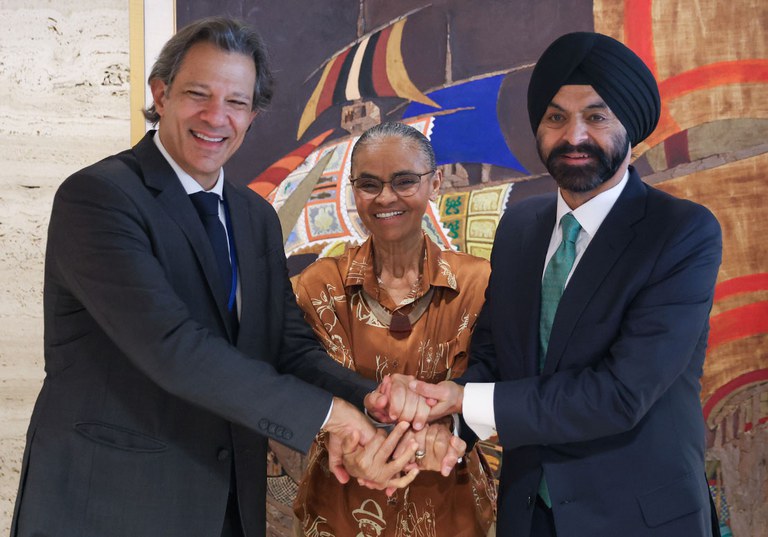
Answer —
206 111
582 143
389 217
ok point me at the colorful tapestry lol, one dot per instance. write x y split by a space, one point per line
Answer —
330 216
373 67
466 66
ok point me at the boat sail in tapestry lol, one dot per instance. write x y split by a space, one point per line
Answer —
371 67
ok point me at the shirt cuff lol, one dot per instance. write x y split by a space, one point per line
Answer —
478 410
328 416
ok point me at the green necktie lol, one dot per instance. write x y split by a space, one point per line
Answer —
552 287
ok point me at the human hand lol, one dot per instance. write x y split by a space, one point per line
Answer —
440 448
346 423
445 398
375 465
394 401
377 401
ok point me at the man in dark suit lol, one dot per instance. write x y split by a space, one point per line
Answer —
588 353
168 366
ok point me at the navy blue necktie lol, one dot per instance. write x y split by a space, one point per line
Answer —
207 205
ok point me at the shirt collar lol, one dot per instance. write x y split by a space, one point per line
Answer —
190 185
591 214
435 270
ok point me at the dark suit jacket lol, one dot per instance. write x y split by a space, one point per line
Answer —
146 401
615 420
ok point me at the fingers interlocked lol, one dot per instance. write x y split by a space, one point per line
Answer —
375 465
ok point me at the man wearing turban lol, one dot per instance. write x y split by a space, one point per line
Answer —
588 353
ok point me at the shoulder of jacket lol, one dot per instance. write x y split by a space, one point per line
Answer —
112 171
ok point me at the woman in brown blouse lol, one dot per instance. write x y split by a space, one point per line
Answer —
396 304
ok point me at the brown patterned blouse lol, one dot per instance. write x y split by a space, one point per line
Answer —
329 292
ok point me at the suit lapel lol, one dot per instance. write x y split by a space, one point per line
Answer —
246 245
612 238
533 253
171 196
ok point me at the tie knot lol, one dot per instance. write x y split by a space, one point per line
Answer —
206 203
571 227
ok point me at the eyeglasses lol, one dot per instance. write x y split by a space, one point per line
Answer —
402 184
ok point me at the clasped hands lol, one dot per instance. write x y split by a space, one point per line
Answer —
419 439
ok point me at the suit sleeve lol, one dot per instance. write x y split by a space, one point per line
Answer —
661 340
482 351
315 365
482 363
100 248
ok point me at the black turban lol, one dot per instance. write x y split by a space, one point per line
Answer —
616 73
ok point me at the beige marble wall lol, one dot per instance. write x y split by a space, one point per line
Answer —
63 104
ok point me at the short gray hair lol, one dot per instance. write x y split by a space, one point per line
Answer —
227 34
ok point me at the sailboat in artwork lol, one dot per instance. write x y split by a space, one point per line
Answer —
459 117
369 68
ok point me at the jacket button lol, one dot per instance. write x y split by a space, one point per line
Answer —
530 501
223 454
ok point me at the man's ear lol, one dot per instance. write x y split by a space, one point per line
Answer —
158 89
254 113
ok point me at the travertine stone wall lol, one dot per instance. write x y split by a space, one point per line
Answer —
63 104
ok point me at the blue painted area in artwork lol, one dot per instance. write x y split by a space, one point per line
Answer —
472 135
